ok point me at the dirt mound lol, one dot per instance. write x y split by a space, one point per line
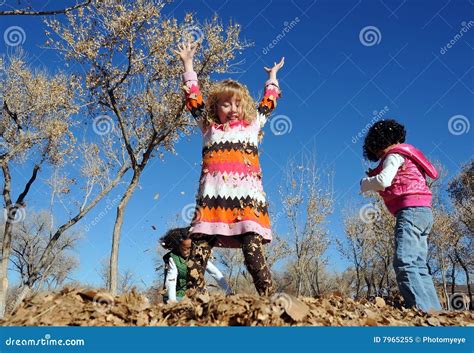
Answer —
95 308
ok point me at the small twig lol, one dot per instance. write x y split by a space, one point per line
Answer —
44 312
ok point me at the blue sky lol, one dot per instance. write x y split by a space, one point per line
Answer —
333 81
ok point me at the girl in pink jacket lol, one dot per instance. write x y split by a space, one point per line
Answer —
400 179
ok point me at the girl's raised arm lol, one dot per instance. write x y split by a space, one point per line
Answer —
194 101
272 72
272 90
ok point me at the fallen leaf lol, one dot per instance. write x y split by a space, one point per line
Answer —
433 321
380 302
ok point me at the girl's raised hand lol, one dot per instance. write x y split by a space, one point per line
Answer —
276 66
186 51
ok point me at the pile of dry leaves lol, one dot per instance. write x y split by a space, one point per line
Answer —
95 308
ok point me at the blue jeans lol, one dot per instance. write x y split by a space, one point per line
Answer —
411 247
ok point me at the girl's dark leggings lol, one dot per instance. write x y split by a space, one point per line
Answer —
252 248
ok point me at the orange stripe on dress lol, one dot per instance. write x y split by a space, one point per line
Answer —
249 159
219 214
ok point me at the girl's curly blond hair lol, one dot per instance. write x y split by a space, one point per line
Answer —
225 89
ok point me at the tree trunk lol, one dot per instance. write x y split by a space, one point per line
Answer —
357 294
380 290
445 288
113 266
24 292
7 234
369 286
298 276
468 280
5 257
313 284
357 269
318 288
453 275
236 279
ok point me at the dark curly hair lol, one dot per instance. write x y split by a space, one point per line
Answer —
382 134
173 238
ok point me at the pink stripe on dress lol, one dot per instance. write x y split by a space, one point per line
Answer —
226 231
231 167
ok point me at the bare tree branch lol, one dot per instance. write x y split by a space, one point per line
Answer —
44 13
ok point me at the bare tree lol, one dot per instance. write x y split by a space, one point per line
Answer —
451 239
382 277
234 269
353 249
442 246
134 77
306 205
461 191
277 250
29 240
126 277
369 247
343 283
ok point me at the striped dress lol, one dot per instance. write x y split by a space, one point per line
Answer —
230 199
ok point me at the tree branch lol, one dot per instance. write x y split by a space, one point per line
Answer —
34 174
126 139
12 115
7 185
44 13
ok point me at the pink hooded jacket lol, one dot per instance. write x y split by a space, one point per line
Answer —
409 186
